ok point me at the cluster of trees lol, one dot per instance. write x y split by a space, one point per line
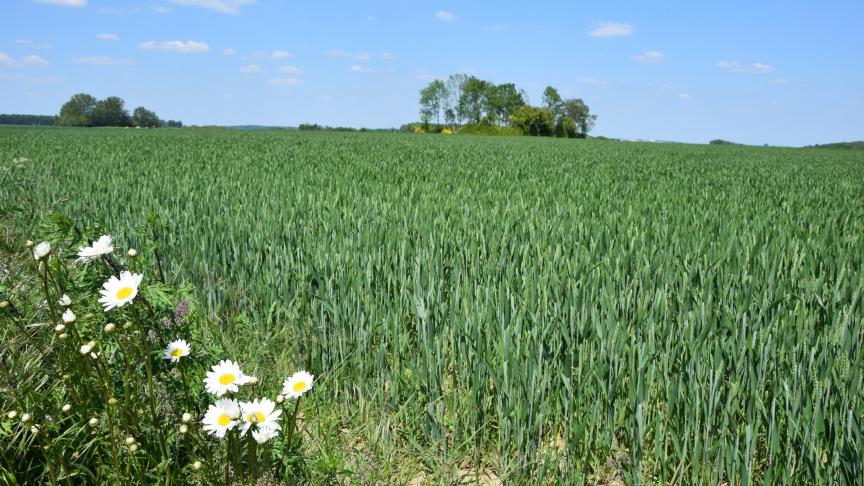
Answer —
467 100
312 127
16 119
83 110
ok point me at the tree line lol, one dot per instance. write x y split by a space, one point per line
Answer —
464 101
18 119
84 110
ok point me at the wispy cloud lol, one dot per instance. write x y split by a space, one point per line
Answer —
159 9
360 69
590 81
268 56
684 96
445 16
290 69
285 81
424 76
387 56
738 67
108 37
34 60
780 81
228 51
649 57
611 29
370 18
336 53
362 56
65 3
224 6
34 45
251 69
184 47
103 61
6 60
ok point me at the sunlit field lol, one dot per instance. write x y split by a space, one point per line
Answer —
539 310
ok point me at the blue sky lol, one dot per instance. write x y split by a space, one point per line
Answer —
777 72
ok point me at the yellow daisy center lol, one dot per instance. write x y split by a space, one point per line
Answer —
227 379
255 417
224 420
124 292
299 386
177 353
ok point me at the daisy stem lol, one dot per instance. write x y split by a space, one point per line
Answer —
253 459
189 404
50 302
291 427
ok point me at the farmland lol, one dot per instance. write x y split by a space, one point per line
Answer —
546 308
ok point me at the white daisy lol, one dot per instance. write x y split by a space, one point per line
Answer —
117 292
224 377
87 348
68 316
41 250
263 435
297 384
261 413
176 350
221 417
100 247
65 301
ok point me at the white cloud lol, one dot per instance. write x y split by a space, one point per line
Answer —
445 16
738 67
103 61
370 18
360 69
224 6
611 29
6 60
266 56
780 81
34 45
362 56
160 9
387 56
185 47
291 69
684 96
108 37
591 81
285 81
65 3
228 52
250 69
34 60
649 57
334 53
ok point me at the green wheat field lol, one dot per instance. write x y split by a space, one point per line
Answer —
542 310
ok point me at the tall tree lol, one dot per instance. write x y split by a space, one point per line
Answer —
552 102
504 99
78 111
455 84
142 117
533 121
581 114
429 103
110 113
474 100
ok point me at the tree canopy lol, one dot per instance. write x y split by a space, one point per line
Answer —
469 99
84 110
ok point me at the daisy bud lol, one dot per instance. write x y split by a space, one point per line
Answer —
66 407
11 415
59 328
4 304
127 325
197 465
280 398
133 447
93 422
34 430
62 336
253 380
76 455
65 301
130 440
94 355
132 252
112 401
109 328
87 348
29 243
187 417
26 417
184 428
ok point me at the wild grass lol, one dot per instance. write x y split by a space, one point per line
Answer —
548 310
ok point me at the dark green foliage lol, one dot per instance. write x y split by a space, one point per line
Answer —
14 119
533 121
